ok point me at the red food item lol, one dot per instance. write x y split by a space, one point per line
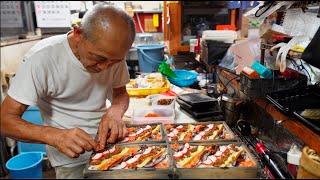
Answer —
169 93
152 115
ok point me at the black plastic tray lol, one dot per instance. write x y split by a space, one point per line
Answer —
212 112
202 119
196 108
197 100
296 101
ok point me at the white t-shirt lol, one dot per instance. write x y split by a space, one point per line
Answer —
67 95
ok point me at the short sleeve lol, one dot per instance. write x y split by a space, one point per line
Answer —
29 83
121 76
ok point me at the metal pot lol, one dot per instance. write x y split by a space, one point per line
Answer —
231 108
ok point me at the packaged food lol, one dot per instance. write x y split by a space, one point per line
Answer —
165 115
167 101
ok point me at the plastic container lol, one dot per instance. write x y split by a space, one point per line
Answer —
263 71
157 102
32 115
150 56
26 165
253 74
153 97
226 36
259 88
166 114
184 78
147 91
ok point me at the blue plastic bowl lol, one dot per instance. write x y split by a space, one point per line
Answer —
184 78
26 165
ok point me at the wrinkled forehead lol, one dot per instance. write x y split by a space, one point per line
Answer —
111 45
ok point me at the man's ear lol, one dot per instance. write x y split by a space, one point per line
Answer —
77 32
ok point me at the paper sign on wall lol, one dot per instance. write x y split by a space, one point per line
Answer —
11 14
53 13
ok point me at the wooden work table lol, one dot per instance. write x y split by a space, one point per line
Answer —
293 125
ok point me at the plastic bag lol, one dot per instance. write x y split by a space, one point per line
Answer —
165 69
261 12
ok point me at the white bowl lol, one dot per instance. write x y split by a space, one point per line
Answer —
153 97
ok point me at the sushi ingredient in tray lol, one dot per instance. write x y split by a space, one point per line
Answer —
143 133
202 156
189 132
131 157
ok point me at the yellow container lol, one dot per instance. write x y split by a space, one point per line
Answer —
147 91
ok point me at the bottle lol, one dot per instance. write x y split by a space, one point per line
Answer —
274 163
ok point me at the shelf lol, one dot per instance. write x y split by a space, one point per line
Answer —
292 124
147 11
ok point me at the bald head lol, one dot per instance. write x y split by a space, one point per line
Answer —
103 19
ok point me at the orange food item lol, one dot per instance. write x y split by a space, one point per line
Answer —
168 126
158 137
197 128
246 163
132 139
227 136
175 146
116 158
194 161
163 164
188 136
152 115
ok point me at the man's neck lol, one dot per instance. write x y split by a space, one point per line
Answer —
73 44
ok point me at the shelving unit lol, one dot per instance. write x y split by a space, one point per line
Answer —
148 11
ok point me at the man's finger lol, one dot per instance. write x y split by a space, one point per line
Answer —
75 148
114 134
124 131
120 133
70 153
90 143
84 144
103 135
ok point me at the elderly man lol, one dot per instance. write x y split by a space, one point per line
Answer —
69 77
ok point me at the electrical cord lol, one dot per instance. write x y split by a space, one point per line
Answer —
300 67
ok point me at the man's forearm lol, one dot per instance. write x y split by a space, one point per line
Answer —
18 129
13 126
120 102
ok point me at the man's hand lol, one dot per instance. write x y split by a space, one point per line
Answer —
111 121
74 142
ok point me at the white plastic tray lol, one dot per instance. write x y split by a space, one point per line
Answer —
167 115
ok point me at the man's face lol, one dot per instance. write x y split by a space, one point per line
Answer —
100 55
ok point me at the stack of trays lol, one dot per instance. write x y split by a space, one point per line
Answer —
211 151
200 107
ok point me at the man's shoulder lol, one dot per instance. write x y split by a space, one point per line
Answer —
47 46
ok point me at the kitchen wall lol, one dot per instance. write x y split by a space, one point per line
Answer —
11 55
